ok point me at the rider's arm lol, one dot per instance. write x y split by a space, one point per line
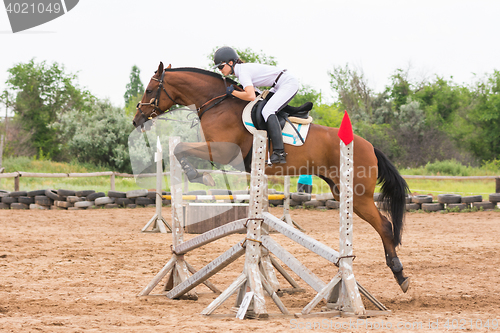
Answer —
247 95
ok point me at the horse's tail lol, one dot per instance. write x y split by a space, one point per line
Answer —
394 190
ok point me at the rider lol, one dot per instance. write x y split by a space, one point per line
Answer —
251 75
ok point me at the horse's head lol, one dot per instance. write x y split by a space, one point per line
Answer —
155 101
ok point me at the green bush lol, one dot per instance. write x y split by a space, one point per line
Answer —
448 168
99 136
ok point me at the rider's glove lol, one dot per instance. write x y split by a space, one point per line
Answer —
229 90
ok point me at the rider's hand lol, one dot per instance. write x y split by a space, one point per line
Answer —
229 90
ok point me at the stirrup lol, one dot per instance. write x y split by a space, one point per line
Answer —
278 157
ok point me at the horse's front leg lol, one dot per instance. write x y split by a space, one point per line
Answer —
219 152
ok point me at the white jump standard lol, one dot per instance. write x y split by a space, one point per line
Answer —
258 275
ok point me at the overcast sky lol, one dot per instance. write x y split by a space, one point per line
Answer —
101 40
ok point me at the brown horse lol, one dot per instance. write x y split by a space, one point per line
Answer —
319 155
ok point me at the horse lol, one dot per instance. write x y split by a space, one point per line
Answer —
221 122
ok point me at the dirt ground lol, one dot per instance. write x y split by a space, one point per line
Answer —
80 271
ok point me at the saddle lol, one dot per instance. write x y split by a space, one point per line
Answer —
291 114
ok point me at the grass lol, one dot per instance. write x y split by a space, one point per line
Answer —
420 186
26 164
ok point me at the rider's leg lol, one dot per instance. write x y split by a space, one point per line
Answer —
284 91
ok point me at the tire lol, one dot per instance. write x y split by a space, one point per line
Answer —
52 194
9 200
65 193
35 193
449 198
472 198
116 194
123 201
137 193
143 201
494 197
432 207
412 206
74 198
42 200
312 203
18 205
151 195
95 195
458 206
421 199
84 193
484 205
103 201
26 200
276 203
111 206
4 193
131 206
84 204
40 207
4 206
300 197
63 204
18 194
332 204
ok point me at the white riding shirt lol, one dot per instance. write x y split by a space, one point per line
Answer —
260 75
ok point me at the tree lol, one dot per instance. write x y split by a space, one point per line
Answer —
42 93
99 136
134 87
247 55
353 92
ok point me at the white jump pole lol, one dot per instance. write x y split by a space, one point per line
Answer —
157 221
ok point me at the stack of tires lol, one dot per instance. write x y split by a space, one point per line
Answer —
77 200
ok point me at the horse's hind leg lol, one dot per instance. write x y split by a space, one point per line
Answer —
219 152
364 207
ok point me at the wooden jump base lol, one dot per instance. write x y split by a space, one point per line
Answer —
342 292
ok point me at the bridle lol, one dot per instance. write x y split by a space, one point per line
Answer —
155 102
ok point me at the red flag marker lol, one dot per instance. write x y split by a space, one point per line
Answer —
345 131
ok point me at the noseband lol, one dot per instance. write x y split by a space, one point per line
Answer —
155 102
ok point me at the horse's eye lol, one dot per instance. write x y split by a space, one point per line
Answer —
149 91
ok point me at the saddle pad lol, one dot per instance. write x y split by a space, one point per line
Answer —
289 135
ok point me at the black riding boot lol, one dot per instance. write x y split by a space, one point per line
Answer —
274 132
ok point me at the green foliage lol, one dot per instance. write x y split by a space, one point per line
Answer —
246 55
327 115
131 106
305 94
99 136
354 94
42 93
134 87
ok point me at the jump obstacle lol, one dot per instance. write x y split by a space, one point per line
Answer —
158 224
342 293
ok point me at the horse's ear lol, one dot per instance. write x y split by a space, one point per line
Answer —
169 66
160 69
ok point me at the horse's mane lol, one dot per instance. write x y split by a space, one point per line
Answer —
201 71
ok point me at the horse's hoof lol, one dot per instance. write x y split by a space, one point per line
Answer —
405 285
208 180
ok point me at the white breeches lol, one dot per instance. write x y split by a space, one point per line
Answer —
284 91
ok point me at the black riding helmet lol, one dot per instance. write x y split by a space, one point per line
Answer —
224 55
